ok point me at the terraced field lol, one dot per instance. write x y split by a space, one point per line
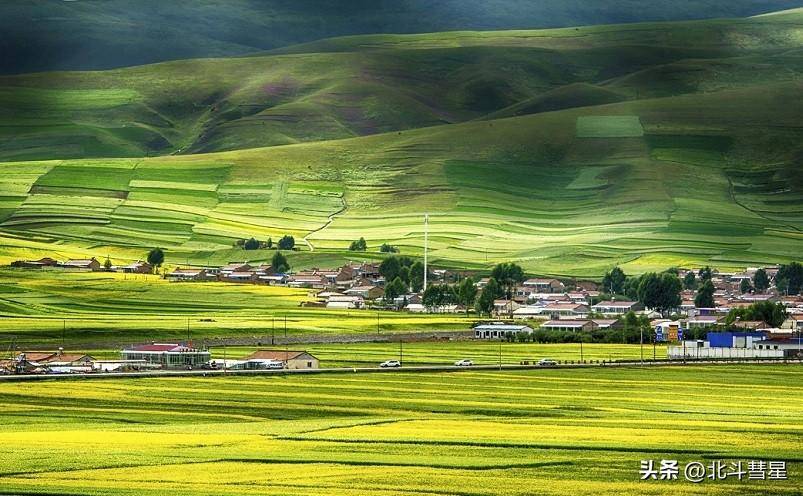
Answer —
472 433
568 150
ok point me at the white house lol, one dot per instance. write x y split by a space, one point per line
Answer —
616 307
499 330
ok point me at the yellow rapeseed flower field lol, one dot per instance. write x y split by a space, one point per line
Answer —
551 432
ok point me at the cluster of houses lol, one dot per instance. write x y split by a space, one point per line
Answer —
351 286
150 357
83 265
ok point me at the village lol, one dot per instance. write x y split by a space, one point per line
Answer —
726 323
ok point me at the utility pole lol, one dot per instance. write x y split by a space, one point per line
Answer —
63 331
273 330
654 339
224 358
285 328
500 353
400 352
426 240
581 350
377 322
188 331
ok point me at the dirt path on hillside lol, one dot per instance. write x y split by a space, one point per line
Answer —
329 221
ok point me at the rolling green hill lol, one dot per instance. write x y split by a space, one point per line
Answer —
703 178
567 150
42 35
366 85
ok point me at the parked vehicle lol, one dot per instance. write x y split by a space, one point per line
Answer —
390 364
547 362
464 363
274 364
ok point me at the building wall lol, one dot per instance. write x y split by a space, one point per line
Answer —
691 352
303 363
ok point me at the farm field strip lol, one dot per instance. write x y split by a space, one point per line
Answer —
478 433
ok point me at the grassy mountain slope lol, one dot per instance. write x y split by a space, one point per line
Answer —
38 35
700 178
567 150
365 85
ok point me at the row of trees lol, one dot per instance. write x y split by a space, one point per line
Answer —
409 271
286 242
361 245
661 291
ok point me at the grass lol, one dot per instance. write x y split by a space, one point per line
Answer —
609 126
561 431
446 352
568 151
96 309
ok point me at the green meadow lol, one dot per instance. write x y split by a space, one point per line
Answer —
567 150
446 352
551 432
95 310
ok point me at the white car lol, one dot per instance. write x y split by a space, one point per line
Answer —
547 362
390 364
274 364
464 363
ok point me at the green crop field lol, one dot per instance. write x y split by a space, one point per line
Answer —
96 309
446 352
568 150
551 432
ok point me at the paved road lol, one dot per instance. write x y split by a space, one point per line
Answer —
418 368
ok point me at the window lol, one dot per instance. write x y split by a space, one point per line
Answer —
309 365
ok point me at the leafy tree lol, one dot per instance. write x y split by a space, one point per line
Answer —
393 267
631 287
690 280
782 284
745 286
279 263
467 292
614 281
438 295
287 242
156 257
773 314
386 248
394 289
793 273
107 264
761 281
485 301
404 273
270 243
251 244
390 268
417 276
705 295
358 245
705 274
660 291
508 275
